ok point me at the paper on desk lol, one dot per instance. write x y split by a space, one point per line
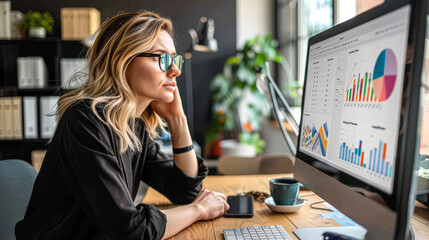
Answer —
338 217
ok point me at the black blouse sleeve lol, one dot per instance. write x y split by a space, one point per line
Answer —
95 178
162 174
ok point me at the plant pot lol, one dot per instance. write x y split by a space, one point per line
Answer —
233 147
37 32
23 33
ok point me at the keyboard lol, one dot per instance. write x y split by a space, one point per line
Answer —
258 232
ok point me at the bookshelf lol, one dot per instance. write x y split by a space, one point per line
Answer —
52 50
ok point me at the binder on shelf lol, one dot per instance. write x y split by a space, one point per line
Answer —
5 32
2 127
17 117
32 72
70 66
40 72
37 157
65 31
48 118
30 117
16 18
22 73
94 20
7 110
79 23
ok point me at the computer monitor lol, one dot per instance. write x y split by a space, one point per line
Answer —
359 116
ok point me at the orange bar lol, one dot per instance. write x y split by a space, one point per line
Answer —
384 151
361 160
354 87
367 95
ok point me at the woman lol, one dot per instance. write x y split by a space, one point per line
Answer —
103 145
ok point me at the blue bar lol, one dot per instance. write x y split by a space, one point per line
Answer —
387 170
356 156
379 158
375 160
348 154
382 167
344 148
341 149
360 148
370 160
353 159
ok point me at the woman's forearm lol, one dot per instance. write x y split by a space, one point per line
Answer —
180 137
180 218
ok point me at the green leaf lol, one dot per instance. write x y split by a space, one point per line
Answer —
278 58
259 60
233 61
246 75
219 87
269 51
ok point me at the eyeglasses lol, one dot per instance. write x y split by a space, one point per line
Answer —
165 60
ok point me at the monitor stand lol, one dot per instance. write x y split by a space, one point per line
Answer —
349 232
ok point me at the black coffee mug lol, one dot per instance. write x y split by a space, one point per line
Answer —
284 190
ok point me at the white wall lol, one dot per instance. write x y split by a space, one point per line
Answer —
254 17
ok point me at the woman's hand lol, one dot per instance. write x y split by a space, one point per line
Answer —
206 206
212 204
169 110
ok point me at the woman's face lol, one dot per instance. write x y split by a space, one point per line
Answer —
145 77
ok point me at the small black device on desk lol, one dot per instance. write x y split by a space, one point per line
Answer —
240 206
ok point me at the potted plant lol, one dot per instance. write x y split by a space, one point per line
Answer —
38 24
238 107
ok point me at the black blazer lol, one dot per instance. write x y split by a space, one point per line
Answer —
85 188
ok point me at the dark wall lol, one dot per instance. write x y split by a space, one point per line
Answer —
184 14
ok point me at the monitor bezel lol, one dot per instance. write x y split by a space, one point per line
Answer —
403 182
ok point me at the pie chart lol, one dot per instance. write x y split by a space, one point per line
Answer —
384 75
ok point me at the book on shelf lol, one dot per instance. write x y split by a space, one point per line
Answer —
30 117
5 10
32 72
74 72
48 118
79 23
17 117
40 72
37 157
8 118
2 133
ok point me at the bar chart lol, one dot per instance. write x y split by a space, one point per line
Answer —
375 162
362 89
376 86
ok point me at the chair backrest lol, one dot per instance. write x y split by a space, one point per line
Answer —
238 165
16 184
276 163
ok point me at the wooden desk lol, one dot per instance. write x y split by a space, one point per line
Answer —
304 218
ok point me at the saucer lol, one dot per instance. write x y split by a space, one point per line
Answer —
284 208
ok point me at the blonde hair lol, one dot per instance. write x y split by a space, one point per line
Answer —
118 40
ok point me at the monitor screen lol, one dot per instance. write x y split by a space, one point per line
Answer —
351 111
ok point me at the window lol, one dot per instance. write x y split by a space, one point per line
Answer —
297 21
